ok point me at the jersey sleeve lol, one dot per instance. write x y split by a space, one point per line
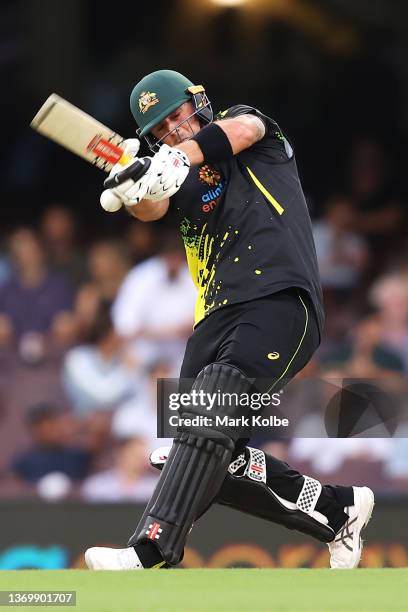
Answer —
274 143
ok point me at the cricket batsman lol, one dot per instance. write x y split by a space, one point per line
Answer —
259 317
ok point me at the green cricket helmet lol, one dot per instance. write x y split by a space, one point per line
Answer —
158 94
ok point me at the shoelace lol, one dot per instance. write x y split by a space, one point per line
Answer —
345 534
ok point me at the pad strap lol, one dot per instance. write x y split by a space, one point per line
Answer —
256 468
309 495
237 463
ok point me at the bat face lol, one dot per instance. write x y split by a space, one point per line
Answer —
80 133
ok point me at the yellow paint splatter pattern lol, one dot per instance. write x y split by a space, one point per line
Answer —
202 260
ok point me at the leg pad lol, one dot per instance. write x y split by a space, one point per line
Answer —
194 471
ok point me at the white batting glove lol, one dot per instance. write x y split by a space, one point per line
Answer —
110 201
167 172
131 147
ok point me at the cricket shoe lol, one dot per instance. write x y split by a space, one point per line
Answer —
99 558
345 550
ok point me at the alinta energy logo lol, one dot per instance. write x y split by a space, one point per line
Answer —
211 177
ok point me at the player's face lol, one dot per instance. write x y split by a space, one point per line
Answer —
180 125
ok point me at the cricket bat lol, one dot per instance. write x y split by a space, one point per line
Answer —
80 133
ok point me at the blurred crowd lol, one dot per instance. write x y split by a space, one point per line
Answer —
86 329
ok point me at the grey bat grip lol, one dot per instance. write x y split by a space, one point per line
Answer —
134 172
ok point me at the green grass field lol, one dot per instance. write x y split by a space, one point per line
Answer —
252 590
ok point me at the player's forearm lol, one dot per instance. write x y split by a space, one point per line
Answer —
147 210
193 152
242 132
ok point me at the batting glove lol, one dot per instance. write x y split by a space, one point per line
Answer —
166 172
109 200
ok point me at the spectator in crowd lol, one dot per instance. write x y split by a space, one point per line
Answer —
137 417
51 450
327 455
363 354
380 214
33 296
98 375
154 307
6 332
389 295
130 478
342 256
87 303
108 264
5 264
59 233
141 241
341 252
66 332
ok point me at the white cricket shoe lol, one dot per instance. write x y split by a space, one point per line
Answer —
345 550
99 558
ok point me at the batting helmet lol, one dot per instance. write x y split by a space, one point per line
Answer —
158 94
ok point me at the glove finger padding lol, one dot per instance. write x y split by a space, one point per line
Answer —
131 147
168 172
129 192
112 200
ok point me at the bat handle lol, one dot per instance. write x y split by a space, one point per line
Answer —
134 172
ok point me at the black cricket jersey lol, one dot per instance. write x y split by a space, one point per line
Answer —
245 225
